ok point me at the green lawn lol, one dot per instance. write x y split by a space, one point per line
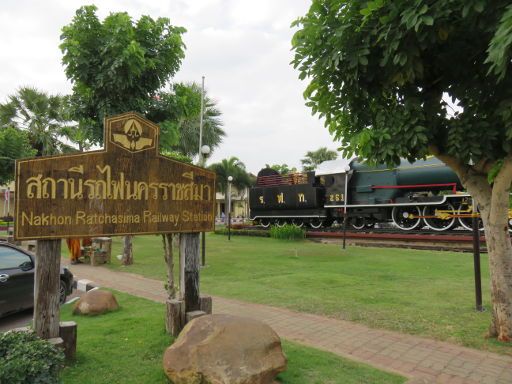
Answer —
418 292
127 347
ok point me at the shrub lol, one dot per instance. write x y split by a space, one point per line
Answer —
287 232
25 358
243 232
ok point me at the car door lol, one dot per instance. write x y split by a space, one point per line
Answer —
16 280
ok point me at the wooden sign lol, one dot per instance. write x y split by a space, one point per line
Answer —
127 188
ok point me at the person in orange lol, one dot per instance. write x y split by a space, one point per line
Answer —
74 249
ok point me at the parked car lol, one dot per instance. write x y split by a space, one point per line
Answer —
17 268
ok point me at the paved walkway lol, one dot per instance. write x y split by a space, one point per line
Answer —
413 357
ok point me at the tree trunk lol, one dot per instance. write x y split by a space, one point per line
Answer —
499 247
493 202
127 250
46 289
169 262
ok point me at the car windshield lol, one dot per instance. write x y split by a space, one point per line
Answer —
11 258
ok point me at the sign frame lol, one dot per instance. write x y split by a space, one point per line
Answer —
127 137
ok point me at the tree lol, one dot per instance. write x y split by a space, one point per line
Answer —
118 64
314 158
42 116
283 169
230 167
14 144
178 113
385 75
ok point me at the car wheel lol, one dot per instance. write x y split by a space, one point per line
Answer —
62 292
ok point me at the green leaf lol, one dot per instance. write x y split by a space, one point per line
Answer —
479 6
428 20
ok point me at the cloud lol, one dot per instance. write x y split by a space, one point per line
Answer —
241 46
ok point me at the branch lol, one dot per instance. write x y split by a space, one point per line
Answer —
460 168
483 166
504 177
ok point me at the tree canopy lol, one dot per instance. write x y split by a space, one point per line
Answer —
283 169
315 158
14 144
117 64
230 167
411 78
43 117
384 75
178 113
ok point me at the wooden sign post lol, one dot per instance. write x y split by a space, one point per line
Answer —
46 289
126 188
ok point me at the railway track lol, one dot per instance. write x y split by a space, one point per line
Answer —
429 240
453 240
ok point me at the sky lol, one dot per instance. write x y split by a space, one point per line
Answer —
242 47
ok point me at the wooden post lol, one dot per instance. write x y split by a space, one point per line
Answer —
175 316
46 291
182 270
68 333
189 249
206 304
127 258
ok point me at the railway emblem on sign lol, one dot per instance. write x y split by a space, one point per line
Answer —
133 137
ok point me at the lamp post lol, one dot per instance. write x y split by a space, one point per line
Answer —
230 179
201 124
476 258
205 151
345 203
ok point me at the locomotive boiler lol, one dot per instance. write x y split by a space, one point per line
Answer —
411 195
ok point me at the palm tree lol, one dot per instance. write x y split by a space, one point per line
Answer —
41 115
230 167
315 158
283 169
178 113
212 130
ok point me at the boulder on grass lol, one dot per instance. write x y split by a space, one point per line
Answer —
95 302
224 349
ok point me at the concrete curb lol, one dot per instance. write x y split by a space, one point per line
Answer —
84 285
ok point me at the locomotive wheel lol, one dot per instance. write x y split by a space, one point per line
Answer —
265 223
510 224
281 223
316 223
358 223
467 222
438 224
298 222
406 218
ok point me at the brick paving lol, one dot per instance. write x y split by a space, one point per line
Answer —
420 359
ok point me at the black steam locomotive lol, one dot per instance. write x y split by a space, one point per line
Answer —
412 195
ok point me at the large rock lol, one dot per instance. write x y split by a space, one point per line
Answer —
96 302
223 349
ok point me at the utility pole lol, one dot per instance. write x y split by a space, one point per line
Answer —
202 161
